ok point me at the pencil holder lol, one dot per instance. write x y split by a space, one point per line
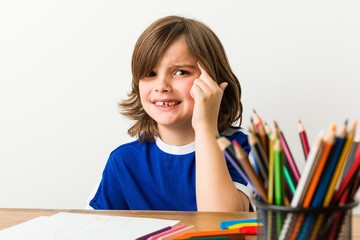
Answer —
282 222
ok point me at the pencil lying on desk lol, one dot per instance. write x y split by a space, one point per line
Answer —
211 233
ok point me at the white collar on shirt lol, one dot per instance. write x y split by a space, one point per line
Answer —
176 150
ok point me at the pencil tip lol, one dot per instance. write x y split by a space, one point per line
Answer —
276 124
333 127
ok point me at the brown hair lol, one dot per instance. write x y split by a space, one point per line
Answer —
204 46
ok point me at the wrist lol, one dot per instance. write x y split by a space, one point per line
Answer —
206 131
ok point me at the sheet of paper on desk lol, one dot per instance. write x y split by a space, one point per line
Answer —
76 226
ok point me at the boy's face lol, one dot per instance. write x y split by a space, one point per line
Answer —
165 91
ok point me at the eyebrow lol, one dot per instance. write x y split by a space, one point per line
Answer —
184 66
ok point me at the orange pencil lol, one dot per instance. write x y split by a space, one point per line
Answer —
328 143
209 233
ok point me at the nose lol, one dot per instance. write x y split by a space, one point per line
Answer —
163 84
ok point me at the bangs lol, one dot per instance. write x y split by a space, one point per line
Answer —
152 44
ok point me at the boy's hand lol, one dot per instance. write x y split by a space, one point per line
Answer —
207 96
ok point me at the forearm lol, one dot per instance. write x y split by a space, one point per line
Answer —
215 190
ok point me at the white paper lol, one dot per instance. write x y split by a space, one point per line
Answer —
76 226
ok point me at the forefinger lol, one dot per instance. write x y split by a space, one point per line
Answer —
203 74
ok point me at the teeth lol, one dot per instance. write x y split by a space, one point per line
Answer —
165 103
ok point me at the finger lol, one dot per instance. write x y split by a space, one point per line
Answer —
203 74
223 85
195 91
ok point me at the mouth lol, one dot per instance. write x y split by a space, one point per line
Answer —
166 103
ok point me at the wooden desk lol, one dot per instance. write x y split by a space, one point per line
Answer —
201 220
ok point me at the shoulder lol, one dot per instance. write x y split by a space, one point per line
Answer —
238 134
235 133
132 145
132 148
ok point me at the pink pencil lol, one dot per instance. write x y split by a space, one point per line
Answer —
289 157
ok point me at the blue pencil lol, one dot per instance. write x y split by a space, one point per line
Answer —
226 147
328 172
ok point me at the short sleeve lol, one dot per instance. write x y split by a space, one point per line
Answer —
109 195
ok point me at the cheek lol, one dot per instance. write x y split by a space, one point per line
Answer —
142 90
187 87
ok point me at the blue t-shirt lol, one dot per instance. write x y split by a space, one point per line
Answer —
155 176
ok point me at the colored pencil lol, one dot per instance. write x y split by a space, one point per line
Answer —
329 140
271 168
261 131
307 175
289 158
226 147
260 157
289 182
278 174
147 236
329 169
354 188
349 178
242 157
163 233
303 139
351 157
177 232
209 233
340 164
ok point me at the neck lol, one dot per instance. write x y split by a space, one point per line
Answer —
177 137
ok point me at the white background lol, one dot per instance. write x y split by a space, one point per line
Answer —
64 65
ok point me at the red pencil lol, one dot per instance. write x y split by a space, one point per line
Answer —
303 139
348 179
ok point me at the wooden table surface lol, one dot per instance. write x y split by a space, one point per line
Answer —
201 220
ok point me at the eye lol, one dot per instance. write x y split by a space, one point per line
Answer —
151 74
181 72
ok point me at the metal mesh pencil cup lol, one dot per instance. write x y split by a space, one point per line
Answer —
282 222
